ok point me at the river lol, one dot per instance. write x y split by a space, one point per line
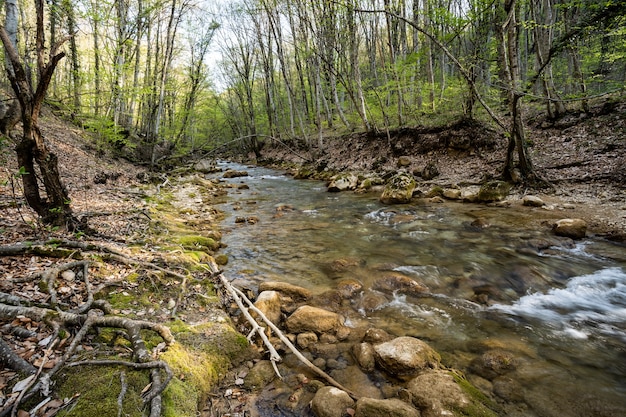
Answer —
560 311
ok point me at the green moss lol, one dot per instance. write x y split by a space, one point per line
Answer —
180 399
436 191
221 259
120 300
99 388
192 242
481 405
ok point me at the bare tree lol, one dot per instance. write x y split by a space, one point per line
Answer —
32 149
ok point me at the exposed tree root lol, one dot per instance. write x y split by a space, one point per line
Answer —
88 315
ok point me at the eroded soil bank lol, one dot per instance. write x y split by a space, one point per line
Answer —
581 155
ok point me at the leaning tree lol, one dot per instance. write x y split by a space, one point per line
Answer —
32 150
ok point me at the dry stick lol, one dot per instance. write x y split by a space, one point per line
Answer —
274 356
236 293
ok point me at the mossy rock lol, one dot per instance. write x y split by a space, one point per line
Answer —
493 191
191 242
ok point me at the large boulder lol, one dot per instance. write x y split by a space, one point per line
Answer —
370 407
399 189
313 319
343 182
395 282
331 402
405 357
493 191
572 228
436 393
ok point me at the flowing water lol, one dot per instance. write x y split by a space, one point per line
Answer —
559 311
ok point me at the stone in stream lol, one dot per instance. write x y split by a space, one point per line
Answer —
405 357
313 319
343 182
394 282
399 189
269 303
365 356
493 191
370 407
437 393
331 402
532 201
572 228
290 290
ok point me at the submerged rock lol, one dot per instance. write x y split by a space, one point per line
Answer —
393 282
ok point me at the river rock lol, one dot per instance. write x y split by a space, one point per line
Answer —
508 389
493 191
331 402
343 182
206 166
313 319
436 393
365 356
261 374
348 288
370 407
395 282
572 228
452 193
231 173
269 302
399 189
404 161
404 357
290 290
493 363
372 300
533 201
430 171
374 336
306 339
357 381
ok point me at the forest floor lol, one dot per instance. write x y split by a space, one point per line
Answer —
582 156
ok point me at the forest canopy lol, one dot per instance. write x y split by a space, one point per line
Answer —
163 78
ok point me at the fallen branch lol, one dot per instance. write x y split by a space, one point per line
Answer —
238 296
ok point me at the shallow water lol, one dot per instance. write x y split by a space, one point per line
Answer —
561 310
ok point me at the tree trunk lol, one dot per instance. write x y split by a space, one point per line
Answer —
55 208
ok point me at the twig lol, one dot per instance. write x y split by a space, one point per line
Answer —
238 295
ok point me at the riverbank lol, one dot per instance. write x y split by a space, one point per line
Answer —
170 221
582 156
